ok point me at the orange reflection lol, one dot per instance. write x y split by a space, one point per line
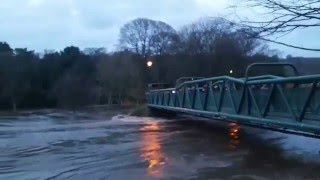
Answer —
234 136
151 148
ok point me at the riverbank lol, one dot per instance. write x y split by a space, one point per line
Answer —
140 111
133 110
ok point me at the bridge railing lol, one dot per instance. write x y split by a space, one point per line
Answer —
290 99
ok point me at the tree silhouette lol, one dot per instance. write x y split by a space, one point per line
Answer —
282 17
147 37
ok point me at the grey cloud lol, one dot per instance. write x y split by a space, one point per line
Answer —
118 12
54 24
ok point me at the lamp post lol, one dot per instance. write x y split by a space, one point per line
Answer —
231 71
153 73
149 64
149 70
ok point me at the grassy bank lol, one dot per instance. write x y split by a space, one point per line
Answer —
140 110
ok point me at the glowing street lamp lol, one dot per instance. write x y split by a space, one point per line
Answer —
231 71
149 63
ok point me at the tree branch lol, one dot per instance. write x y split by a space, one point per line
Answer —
288 45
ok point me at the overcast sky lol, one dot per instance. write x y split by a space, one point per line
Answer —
55 24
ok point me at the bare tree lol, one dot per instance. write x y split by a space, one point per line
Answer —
283 17
216 35
146 36
200 37
165 43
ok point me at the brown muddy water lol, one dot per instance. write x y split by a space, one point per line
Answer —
53 144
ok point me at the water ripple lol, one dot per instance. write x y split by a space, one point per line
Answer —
53 145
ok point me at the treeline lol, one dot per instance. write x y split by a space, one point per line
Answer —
72 77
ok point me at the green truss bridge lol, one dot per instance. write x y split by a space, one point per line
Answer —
288 104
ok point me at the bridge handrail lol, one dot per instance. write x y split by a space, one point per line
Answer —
295 70
240 81
265 79
306 79
178 81
210 79
262 77
160 90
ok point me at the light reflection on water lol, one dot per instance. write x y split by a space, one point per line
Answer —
234 133
151 150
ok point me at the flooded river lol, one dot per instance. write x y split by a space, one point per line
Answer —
92 145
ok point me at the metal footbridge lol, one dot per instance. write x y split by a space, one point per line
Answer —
288 104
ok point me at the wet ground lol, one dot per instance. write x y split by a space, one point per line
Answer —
92 145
